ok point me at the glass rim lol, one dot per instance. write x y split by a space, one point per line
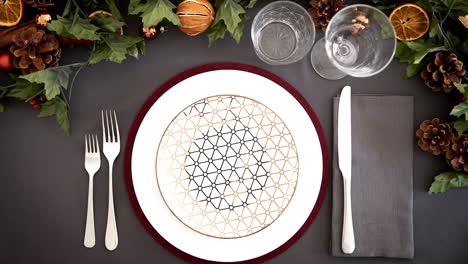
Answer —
394 39
255 20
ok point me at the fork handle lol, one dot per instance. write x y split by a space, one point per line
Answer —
89 238
112 239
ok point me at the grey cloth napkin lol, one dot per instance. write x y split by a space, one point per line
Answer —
382 177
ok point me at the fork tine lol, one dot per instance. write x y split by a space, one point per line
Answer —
94 143
90 144
97 144
109 139
111 124
86 143
103 127
117 137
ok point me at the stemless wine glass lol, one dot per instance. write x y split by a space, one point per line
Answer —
282 33
359 41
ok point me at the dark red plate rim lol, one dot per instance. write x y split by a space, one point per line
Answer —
187 74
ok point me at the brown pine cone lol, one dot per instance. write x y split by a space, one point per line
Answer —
34 50
323 10
434 136
443 71
457 156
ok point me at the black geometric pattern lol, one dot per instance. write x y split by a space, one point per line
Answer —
227 166
215 160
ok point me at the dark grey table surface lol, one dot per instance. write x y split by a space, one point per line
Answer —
44 184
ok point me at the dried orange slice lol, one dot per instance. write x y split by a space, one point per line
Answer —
11 12
410 22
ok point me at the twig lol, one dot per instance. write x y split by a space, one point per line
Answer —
75 17
38 93
8 86
70 65
449 10
73 80
79 9
447 40
64 97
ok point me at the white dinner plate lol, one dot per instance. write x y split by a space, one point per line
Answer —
227 166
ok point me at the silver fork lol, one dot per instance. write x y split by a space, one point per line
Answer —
111 149
92 165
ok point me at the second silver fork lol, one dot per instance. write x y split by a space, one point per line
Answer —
111 149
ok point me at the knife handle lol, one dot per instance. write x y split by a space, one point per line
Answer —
347 242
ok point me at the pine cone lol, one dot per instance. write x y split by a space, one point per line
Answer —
457 156
434 136
323 10
34 50
443 71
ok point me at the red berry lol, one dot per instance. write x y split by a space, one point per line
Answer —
6 61
69 42
33 101
65 41
456 98
37 106
85 42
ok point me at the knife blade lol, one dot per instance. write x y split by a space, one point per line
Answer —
344 163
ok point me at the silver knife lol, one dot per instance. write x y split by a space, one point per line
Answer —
344 162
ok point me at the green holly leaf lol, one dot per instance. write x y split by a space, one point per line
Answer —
457 7
115 47
109 24
216 32
425 4
230 12
114 9
137 49
460 126
403 53
67 8
413 52
76 28
3 106
447 180
237 34
153 12
413 69
135 7
462 88
25 90
55 79
58 108
421 48
460 109
434 29
251 3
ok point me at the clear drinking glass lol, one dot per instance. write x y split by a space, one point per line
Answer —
282 33
359 41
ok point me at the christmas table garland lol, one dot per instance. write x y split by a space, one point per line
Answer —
34 48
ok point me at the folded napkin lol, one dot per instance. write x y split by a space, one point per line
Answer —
382 178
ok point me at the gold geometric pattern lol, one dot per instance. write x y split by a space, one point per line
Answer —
227 166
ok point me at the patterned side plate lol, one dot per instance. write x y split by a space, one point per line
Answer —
227 166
